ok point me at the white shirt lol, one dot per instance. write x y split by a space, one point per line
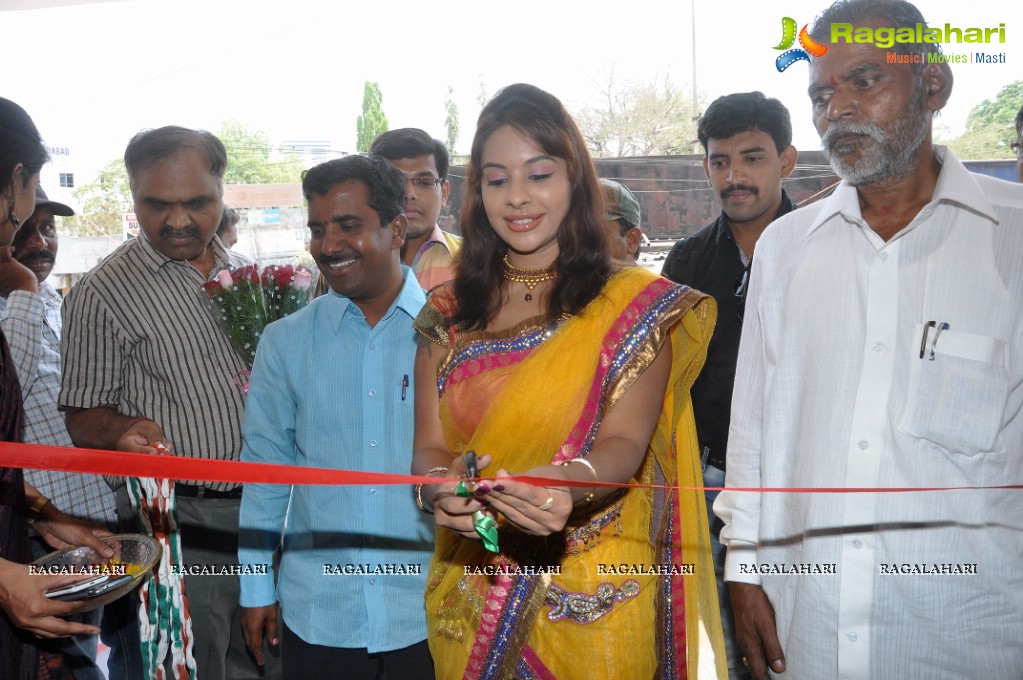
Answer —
831 392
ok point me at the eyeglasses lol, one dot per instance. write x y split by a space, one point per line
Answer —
425 182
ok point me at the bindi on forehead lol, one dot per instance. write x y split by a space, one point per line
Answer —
834 80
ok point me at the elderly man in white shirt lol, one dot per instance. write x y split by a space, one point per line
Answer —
882 348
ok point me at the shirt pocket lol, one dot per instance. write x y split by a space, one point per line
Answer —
956 401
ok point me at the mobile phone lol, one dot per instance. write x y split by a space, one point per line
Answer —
104 588
90 589
73 589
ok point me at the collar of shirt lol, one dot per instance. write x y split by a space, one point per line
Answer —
955 184
436 236
410 300
49 295
155 260
722 228
52 302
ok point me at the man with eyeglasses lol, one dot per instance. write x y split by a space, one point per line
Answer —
747 142
428 249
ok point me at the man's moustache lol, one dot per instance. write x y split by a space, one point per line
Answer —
849 127
37 256
188 231
732 188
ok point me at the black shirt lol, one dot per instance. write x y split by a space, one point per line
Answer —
709 261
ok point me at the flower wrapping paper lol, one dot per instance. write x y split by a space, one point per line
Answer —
246 299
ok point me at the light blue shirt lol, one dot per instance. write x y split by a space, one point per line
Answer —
329 391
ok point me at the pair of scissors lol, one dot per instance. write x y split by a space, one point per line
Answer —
483 523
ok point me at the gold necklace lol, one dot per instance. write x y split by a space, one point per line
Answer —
530 278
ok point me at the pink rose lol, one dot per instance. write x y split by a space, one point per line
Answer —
303 279
224 277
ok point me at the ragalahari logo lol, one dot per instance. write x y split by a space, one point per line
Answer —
788 36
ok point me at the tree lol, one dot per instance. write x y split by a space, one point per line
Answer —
102 202
451 121
990 127
372 123
482 97
249 158
639 119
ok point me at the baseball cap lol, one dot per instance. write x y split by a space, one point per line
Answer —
621 203
54 206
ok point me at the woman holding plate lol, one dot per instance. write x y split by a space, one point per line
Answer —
22 599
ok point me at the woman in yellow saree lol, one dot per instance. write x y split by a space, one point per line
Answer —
550 361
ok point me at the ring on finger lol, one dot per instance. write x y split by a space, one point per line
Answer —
547 505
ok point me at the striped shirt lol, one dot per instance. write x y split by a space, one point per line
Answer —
138 334
32 325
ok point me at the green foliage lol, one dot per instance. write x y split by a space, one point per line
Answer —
372 123
102 204
1002 110
249 158
451 121
990 127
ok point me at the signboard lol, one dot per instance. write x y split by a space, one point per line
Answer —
131 225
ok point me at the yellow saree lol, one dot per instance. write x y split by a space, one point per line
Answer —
621 591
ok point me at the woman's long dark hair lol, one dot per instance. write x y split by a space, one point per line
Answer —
583 263
20 142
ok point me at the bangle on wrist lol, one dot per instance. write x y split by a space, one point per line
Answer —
36 509
419 489
593 490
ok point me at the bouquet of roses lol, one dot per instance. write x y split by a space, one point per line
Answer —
244 301
285 290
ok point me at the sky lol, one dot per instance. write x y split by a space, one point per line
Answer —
93 75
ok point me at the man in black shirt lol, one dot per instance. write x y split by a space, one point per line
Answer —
747 142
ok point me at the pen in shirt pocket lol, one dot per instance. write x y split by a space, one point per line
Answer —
938 328
404 386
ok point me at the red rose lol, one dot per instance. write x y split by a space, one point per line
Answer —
284 275
212 288
248 272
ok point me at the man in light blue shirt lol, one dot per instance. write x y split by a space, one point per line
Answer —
331 387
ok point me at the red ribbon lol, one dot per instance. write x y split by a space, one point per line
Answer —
117 463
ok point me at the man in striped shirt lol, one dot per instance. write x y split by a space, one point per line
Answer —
144 362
